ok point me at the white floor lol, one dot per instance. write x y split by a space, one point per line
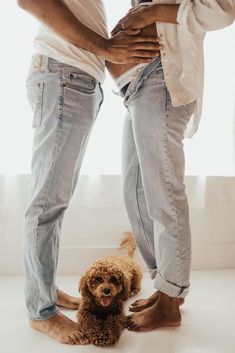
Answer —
208 320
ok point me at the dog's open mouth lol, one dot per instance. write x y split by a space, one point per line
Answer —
106 300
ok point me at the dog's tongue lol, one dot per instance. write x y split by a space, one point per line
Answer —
106 301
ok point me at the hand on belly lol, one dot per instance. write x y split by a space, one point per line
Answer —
116 70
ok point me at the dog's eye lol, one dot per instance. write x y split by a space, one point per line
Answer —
99 280
113 280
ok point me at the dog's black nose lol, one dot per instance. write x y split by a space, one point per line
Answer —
107 291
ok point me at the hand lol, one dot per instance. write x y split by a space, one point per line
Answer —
131 47
138 17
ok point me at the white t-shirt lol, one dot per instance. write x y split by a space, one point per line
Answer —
92 14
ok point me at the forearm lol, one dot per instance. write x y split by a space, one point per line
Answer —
122 48
57 16
163 13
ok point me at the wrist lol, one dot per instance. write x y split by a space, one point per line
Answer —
166 13
153 13
103 48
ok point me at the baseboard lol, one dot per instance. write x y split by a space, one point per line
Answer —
74 261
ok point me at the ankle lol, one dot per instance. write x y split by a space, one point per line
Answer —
168 304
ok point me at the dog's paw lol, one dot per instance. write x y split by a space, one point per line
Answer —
83 340
125 322
134 292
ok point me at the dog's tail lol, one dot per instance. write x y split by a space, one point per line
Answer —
129 243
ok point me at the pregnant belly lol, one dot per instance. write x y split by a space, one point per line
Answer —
116 70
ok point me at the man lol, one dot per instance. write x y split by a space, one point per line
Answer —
160 98
64 89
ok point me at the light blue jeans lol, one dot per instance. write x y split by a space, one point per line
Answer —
153 179
65 102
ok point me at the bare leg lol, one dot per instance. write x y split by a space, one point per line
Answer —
142 304
163 313
61 328
67 301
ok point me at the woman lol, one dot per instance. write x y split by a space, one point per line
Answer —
160 98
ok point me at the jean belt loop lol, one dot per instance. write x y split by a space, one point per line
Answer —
46 63
37 62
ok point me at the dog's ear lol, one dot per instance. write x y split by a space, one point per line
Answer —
83 287
126 284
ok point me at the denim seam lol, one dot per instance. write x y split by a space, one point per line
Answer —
45 197
33 251
181 229
58 223
138 206
169 186
177 220
61 99
55 152
34 233
46 201
88 134
33 258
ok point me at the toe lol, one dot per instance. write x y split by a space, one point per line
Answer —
135 303
80 338
129 323
77 338
128 317
132 327
83 341
70 340
136 308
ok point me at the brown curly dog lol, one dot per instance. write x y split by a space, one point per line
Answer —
104 287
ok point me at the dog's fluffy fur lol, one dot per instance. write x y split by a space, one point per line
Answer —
104 287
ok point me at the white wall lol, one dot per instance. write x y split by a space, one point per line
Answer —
210 152
96 220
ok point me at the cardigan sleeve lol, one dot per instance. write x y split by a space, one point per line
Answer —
198 16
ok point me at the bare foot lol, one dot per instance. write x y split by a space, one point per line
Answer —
163 313
61 328
142 304
67 301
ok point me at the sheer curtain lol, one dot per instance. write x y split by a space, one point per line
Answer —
209 153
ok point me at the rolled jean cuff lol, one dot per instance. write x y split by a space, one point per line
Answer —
169 288
48 315
152 272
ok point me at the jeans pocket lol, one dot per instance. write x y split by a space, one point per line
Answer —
35 96
80 82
